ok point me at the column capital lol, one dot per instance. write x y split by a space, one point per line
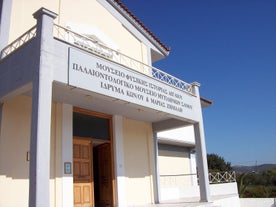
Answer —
195 88
44 40
195 84
43 11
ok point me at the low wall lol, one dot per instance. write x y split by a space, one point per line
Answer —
193 191
226 201
222 195
258 202
224 189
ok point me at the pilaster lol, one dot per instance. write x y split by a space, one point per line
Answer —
39 192
156 175
201 155
67 155
119 160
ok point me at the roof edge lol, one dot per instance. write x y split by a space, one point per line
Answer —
205 102
124 11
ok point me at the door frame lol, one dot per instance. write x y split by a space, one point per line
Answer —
109 117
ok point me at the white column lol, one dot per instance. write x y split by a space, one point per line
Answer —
201 155
119 160
67 155
39 192
156 176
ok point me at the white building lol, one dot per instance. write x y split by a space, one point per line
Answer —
81 106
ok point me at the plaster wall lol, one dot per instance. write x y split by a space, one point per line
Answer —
94 15
172 179
89 14
170 156
22 11
14 146
139 162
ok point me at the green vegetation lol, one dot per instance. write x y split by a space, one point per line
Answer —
217 163
257 185
250 185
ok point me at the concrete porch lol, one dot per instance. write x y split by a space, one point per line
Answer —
221 195
231 200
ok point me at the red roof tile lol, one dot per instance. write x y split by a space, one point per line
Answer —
142 25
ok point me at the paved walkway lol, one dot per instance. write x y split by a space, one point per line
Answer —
184 204
193 202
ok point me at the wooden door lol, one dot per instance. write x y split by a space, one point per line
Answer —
83 173
105 176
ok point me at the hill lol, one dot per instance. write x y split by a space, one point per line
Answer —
254 169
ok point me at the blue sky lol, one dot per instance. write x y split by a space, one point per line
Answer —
229 46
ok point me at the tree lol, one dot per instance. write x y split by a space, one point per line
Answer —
217 163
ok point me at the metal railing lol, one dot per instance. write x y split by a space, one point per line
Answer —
222 177
92 45
81 41
214 178
164 77
23 39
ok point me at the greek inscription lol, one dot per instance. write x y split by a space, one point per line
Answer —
112 88
124 83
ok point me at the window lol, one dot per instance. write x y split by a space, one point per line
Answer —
91 126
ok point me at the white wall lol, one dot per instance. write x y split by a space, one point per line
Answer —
217 190
183 134
138 162
258 202
14 145
178 161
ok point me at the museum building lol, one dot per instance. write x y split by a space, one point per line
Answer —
81 107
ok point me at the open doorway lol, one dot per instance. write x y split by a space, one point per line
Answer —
92 160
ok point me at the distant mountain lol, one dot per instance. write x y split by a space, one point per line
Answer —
255 168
